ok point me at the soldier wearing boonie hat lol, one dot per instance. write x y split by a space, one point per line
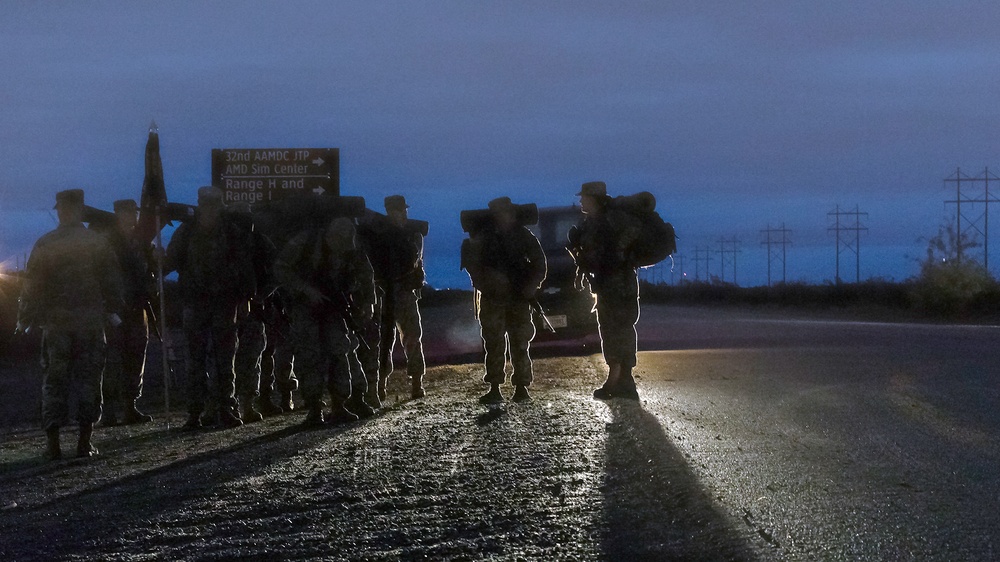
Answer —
597 247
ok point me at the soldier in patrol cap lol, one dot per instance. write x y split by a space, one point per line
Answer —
71 290
126 360
507 266
400 282
215 275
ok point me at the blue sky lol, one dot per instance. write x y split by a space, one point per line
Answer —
736 115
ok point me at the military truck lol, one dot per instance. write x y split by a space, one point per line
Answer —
569 309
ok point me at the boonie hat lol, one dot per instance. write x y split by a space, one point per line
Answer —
69 197
594 188
395 202
500 204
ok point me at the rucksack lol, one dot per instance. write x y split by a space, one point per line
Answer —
656 240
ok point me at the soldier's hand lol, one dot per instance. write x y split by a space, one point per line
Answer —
21 329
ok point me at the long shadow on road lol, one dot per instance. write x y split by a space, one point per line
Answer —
655 507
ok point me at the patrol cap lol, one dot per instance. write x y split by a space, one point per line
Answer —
500 204
594 189
395 202
126 205
69 198
210 195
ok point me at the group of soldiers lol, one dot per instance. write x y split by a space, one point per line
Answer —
343 294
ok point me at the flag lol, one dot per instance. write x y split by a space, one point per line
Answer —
154 193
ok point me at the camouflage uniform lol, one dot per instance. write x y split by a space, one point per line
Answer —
276 362
326 283
506 268
216 276
600 245
399 274
71 285
251 341
126 360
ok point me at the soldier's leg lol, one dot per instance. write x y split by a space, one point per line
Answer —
113 386
368 355
56 353
358 403
310 362
136 338
387 341
616 318
411 333
494 333
265 403
197 330
88 365
338 344
247 364
521 330
224 348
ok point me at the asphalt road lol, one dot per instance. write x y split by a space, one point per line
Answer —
835 439
757 437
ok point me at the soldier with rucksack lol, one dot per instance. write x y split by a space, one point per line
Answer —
329 286
603 246
507 266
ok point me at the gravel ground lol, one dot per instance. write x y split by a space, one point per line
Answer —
561 477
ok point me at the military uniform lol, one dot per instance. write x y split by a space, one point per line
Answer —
277 361
327 283
400 276
506 265
71 286
126 359
599 246
251 341
216 276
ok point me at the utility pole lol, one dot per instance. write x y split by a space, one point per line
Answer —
701 255
849 237
780 237
972 223
728 256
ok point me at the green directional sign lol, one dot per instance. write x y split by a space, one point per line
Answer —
255 175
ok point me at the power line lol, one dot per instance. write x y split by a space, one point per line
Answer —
728 256
849 237
769 241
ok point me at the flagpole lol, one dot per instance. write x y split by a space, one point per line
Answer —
163 321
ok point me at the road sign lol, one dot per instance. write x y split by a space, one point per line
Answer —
255 175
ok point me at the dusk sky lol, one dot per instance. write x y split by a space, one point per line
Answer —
736 115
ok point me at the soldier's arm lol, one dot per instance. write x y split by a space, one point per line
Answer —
109 276
538 266
28 305
176 249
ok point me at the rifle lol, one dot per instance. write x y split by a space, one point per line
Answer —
537 308
341 305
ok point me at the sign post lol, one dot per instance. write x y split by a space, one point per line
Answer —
257 175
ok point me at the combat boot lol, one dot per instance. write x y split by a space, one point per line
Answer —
229 419
493 396
603 393
266 407
340 414
133 415
417 390
250 413
83 447
52 450
626 386
521 394
193 422
356 405
314 417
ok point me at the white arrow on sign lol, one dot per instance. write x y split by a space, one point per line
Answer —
319 191
319 161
